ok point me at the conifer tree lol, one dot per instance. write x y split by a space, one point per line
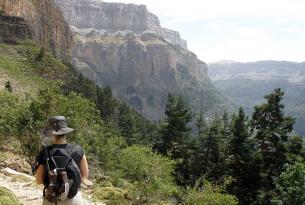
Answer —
175 130
240 164
105 102
272 129
127 124
201 123
175 136
212 164
41 54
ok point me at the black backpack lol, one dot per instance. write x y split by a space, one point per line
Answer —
62 174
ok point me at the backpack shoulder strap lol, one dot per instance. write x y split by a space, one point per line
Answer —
47 158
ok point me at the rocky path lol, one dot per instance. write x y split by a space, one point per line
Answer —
25 188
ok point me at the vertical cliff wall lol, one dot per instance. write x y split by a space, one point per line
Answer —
125 47
46 23
14 26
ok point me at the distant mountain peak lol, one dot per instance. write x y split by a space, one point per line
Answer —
224 62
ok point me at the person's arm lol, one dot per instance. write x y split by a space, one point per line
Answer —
40 172
84 169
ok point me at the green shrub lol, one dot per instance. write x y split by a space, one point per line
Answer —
7 197
209 195
111 195
290 186
8 86
150 174
41 54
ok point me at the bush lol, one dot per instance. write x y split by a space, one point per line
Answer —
150 174
7 197
8 86
41 54
209 195
8 115
290 186
111 195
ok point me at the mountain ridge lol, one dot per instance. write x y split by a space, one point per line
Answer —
125 47
246 83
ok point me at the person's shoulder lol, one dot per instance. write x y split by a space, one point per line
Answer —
74 147
45 148
77 149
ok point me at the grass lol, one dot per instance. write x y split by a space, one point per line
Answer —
19 63
7 197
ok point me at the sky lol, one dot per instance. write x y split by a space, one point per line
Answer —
238 30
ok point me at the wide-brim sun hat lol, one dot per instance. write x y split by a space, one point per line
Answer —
57 126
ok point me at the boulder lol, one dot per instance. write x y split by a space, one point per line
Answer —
18 176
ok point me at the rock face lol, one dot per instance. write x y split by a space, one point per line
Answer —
113 17
45 22
124 46
14 26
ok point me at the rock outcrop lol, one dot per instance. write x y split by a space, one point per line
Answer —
14 26
125 47
40 20
112 17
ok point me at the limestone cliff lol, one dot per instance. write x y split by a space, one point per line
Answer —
112 17
14 26
40 20
125 47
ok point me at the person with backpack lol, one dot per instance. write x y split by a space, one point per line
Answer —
60 166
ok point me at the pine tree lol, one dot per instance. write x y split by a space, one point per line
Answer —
127 124
272 129
240 164
296 151
212 164
105 102
175 136
41 54
175 130
201 123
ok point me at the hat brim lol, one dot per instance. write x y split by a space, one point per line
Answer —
63 131
48 132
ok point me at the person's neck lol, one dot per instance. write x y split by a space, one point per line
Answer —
60 141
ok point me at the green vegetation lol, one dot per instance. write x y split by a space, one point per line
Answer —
247 93
149 173
7 197
210 196
290 186
230 159
8 86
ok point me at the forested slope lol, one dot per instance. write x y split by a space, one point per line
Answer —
35 85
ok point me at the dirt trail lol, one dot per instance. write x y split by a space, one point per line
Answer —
25 188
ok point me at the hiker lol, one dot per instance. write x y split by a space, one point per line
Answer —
60 166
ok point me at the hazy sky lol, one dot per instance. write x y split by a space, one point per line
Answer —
240 30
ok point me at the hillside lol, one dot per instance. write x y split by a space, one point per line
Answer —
125 47
246 83
36 85
186 158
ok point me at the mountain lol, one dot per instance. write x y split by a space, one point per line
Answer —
125 47
38 20
246 83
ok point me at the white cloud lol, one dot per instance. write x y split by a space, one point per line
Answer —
220 30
